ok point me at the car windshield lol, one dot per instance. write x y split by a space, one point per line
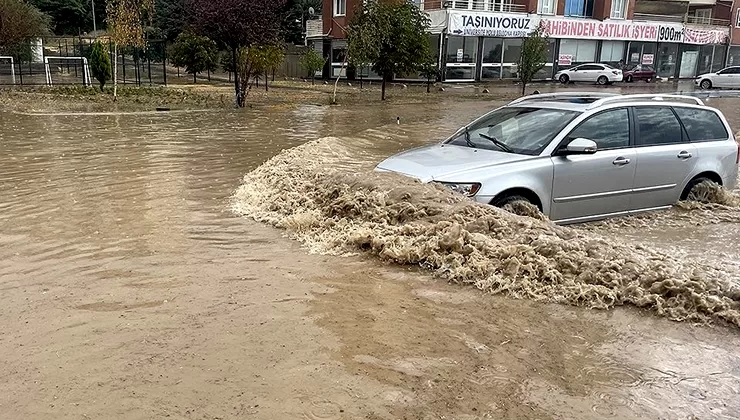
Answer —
521 130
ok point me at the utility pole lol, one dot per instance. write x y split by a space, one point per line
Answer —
95 27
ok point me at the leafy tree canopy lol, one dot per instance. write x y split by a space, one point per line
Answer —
70 17
533 57
237 23
296 14
20 21
195 53
312 61
171 19
125 20
392 35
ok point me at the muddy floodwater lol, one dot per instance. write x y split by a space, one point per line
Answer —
142 276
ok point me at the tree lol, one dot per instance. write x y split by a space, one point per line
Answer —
390 34
429 70
69 17
296 14
312 61
171 19
126 28
273 56
533 57
100 63
19 21
238 24
195 53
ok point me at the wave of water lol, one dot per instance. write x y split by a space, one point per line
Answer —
323 195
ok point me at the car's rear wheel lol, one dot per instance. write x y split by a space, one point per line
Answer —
563 78
648 79
699 189
628 79
602 80
705 84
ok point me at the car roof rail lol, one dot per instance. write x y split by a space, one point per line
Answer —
563 95
645 96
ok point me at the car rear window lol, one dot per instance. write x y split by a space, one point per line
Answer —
702 124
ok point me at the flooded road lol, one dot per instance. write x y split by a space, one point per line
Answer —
131 290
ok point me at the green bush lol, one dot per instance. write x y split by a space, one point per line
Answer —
312 61
195 53
100 63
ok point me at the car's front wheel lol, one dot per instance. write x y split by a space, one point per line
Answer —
705 84
563 78
628 79
602 80
519 205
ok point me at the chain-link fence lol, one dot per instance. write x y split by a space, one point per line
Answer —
64 61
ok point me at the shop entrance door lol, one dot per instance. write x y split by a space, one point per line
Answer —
688 64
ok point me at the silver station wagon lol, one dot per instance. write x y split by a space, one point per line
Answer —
582 156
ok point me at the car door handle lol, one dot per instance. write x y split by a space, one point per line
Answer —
684 155
621 161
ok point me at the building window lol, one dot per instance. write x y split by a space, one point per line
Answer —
501 6
579 8
619 9
462 49
580 50
546 7
612 52
703 16
461 4
460 58
340 7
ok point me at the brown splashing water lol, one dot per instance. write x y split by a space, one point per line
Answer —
310 192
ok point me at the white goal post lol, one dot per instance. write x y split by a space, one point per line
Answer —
12 66
85 69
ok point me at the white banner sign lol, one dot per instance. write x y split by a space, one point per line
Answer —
520 25
704 36
594 29
502 25
626 30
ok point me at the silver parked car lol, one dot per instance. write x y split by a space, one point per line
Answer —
582 156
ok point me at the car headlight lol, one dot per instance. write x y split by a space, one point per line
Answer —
468 189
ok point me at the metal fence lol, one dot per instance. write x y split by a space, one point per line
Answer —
62 61
59 61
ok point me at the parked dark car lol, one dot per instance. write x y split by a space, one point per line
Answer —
639 72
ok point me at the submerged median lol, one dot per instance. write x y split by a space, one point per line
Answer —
334 204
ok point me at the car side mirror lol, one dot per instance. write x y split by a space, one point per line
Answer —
580 146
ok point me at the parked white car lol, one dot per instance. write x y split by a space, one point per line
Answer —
602 74
726 78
